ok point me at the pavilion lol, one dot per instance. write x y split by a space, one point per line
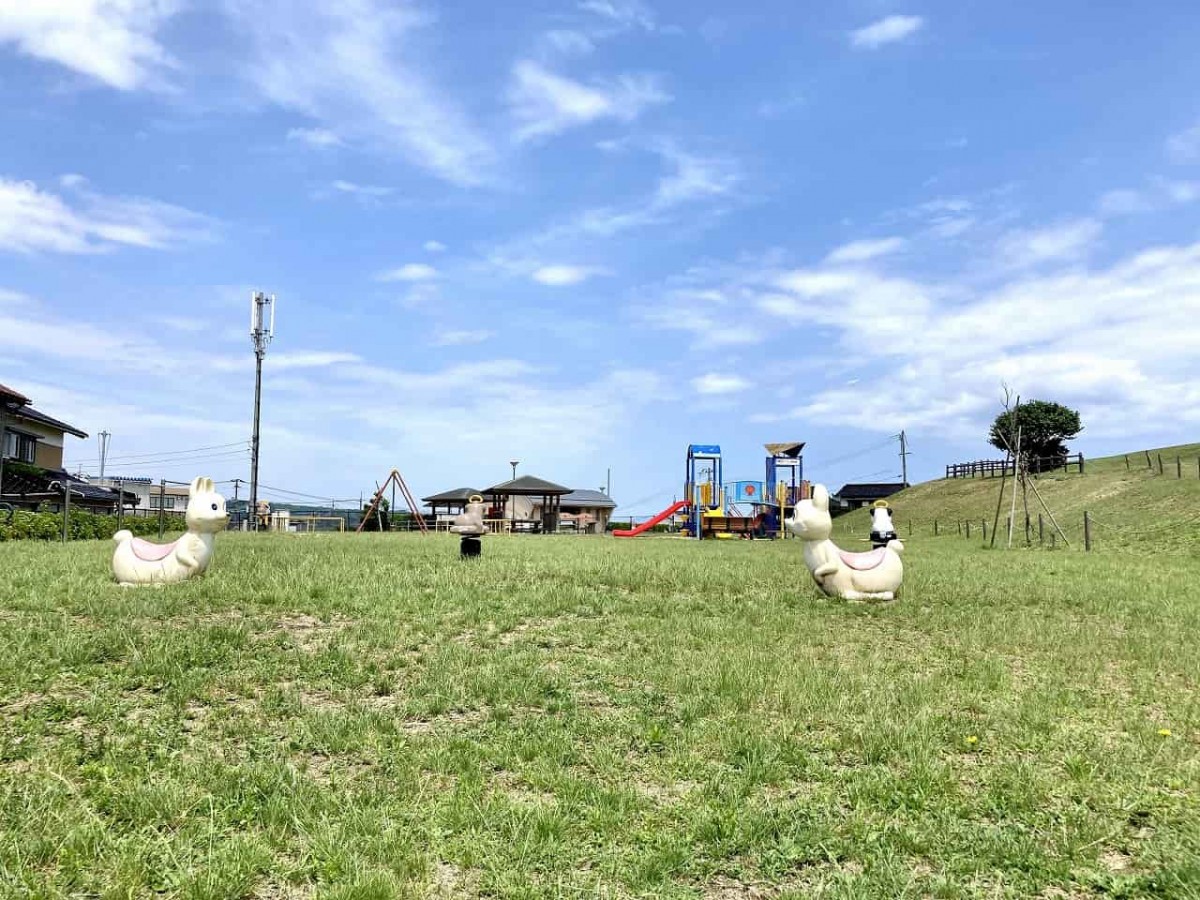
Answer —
532 490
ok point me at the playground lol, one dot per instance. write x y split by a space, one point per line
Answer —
366 716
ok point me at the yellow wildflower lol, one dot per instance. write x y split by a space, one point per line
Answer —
1164 732
972 740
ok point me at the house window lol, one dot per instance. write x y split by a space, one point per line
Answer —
156 501
20 446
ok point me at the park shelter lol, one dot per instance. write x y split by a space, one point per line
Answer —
448 504
537 493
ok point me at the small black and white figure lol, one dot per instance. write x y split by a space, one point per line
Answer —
882 529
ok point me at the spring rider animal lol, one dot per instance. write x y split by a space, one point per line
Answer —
875 575
882 529
136 561
469 525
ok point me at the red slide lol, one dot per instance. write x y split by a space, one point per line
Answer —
646 526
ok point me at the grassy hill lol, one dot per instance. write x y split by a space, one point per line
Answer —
1132 507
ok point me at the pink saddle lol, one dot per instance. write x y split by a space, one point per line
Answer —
864 561
151 552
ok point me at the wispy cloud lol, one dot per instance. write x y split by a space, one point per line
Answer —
434 247
360 190
461 337
409 272
1184 147
1158 195
544 103
886 31
569 42
345 64
111 41
88 222
714 383
315 137
1063 241
623 13
861 251
563 275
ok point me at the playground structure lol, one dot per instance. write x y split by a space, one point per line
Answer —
394 477
710 508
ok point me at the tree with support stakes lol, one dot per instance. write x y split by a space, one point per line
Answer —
1018 460
396 479
1045 426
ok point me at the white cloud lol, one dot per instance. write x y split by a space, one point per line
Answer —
72 180
315 137
694 178
861 251
33 220
1063 241
562 275
347 64
713 383
886 31
311 359
627 14
1160 194
544 103
569 42
409 272
1184 147
111 41
434 247
369 191
460 338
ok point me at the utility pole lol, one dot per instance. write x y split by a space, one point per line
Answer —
237 482
261 332
513 501
608 483
904 451
103 438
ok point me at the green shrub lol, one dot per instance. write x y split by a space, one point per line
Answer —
44 525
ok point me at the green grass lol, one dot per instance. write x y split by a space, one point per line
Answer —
368 717
1133 508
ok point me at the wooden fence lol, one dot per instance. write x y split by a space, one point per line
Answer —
995 468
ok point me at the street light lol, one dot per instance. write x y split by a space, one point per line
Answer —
513 497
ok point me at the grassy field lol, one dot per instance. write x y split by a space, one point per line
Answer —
368 717
1134 508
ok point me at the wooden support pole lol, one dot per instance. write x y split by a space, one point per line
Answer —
1041 531
1087 531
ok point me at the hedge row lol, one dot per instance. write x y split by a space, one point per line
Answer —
47 526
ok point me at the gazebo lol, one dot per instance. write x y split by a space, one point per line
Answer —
528 486
449 503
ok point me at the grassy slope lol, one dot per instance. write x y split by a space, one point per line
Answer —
367 717
1137 508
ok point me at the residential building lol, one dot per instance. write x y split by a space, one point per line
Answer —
28 435
856 496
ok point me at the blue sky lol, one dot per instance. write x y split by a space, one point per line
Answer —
584 235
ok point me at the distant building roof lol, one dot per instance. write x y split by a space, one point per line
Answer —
32 415
456 495
789 449
587 500
871 491
528 485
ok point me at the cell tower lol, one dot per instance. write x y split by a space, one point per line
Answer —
262 329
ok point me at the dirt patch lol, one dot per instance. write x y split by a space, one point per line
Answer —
516 789
462 718
721 887
197 716
1116 861
665 793
325 769
449 880
305 632
276 890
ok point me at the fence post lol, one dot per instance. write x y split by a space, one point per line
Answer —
1087 531
66 509
162 506
1053 539
1041 531
960 527
1008 525
968 529
935 528
120 502
910 527
984 530
1028 537
1080 463
1178 467
1160 468
1126 462
1149 465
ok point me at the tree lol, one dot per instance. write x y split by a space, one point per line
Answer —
377 520
1044 427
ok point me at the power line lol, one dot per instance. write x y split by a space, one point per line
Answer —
139 457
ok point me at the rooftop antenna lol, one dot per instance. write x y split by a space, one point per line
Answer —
262 329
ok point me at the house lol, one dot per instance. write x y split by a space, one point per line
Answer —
150 495
856 496
30 436
587 512
31 460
